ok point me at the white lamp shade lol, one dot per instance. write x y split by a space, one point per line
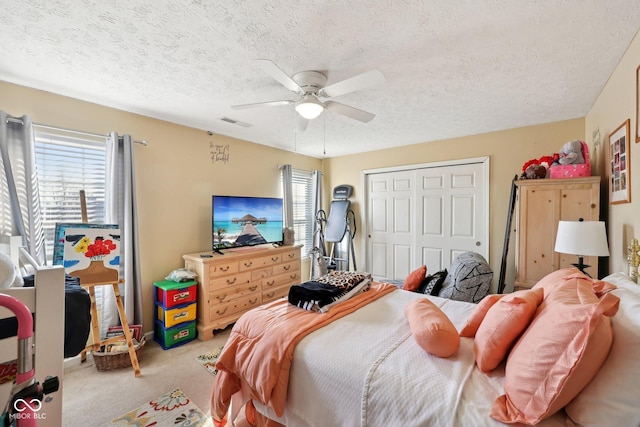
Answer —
309 107
582 238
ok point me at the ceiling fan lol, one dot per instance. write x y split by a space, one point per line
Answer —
310 86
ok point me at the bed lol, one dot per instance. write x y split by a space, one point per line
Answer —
365 368
46 300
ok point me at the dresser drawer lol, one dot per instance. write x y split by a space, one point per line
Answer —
290 255
231 280
261 273
223 268
287 267
225 295
280 280
237 305
265 261
273 294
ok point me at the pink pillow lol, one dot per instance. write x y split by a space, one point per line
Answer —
563 348
502 325
551 280
431 328
415 278
478 314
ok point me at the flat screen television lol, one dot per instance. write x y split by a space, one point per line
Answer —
246 221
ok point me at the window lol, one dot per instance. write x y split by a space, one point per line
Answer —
68 162
303 215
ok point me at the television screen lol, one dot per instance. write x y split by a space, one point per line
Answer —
246 221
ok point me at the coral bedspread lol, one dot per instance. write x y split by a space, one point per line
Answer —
256 359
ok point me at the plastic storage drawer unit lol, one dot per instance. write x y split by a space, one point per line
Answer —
170 294
176 336
180 314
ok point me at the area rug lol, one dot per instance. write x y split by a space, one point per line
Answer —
208 360
172 409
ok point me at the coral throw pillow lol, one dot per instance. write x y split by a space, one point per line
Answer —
502 325
414 279
563 348
431 328
477 315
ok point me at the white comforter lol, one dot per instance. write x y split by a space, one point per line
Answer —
366 370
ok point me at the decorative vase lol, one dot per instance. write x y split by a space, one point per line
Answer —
96 272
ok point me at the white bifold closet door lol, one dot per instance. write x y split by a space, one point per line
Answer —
426 215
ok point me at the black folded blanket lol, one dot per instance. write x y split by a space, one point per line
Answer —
77 316
314 295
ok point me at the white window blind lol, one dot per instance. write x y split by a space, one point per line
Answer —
303 215
68 162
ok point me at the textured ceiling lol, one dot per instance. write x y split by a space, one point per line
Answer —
452 68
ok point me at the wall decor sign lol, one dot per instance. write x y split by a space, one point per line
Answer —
620 165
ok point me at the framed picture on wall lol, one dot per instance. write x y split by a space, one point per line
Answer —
638 104
620 165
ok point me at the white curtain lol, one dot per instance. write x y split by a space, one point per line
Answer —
317 205
120 208
287 190
19 210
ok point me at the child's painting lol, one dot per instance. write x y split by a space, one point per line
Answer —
61 229
92 254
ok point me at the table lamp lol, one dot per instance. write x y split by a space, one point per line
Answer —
582 238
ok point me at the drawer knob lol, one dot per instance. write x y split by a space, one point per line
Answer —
231 282
221 298
270 294
274 259
293 276
287 267
253 301
291 255
222 312
248 263
225 268
253 288
271 283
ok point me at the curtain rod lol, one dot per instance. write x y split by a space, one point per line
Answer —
19 121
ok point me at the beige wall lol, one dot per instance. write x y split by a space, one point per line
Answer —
617 103
508 150
175 176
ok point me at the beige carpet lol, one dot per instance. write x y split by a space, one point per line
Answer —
173 409
92 398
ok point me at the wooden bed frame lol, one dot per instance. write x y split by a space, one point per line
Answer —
47 301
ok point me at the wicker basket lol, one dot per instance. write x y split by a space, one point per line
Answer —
107 361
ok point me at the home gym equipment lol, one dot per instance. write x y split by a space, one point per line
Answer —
337 227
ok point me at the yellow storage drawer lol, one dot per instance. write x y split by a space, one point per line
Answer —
172 316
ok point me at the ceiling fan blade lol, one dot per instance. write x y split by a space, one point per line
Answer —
352 84
280 76
350 112
263 104
301 123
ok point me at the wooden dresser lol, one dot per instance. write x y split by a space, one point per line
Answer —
239 280
541 204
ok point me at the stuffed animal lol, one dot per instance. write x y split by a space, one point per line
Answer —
571 153
537 168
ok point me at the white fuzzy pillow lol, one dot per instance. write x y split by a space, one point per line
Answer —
9 274
610 399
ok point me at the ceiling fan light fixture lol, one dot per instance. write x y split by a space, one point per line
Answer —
309 107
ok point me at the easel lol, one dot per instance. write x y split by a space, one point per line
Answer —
95 326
